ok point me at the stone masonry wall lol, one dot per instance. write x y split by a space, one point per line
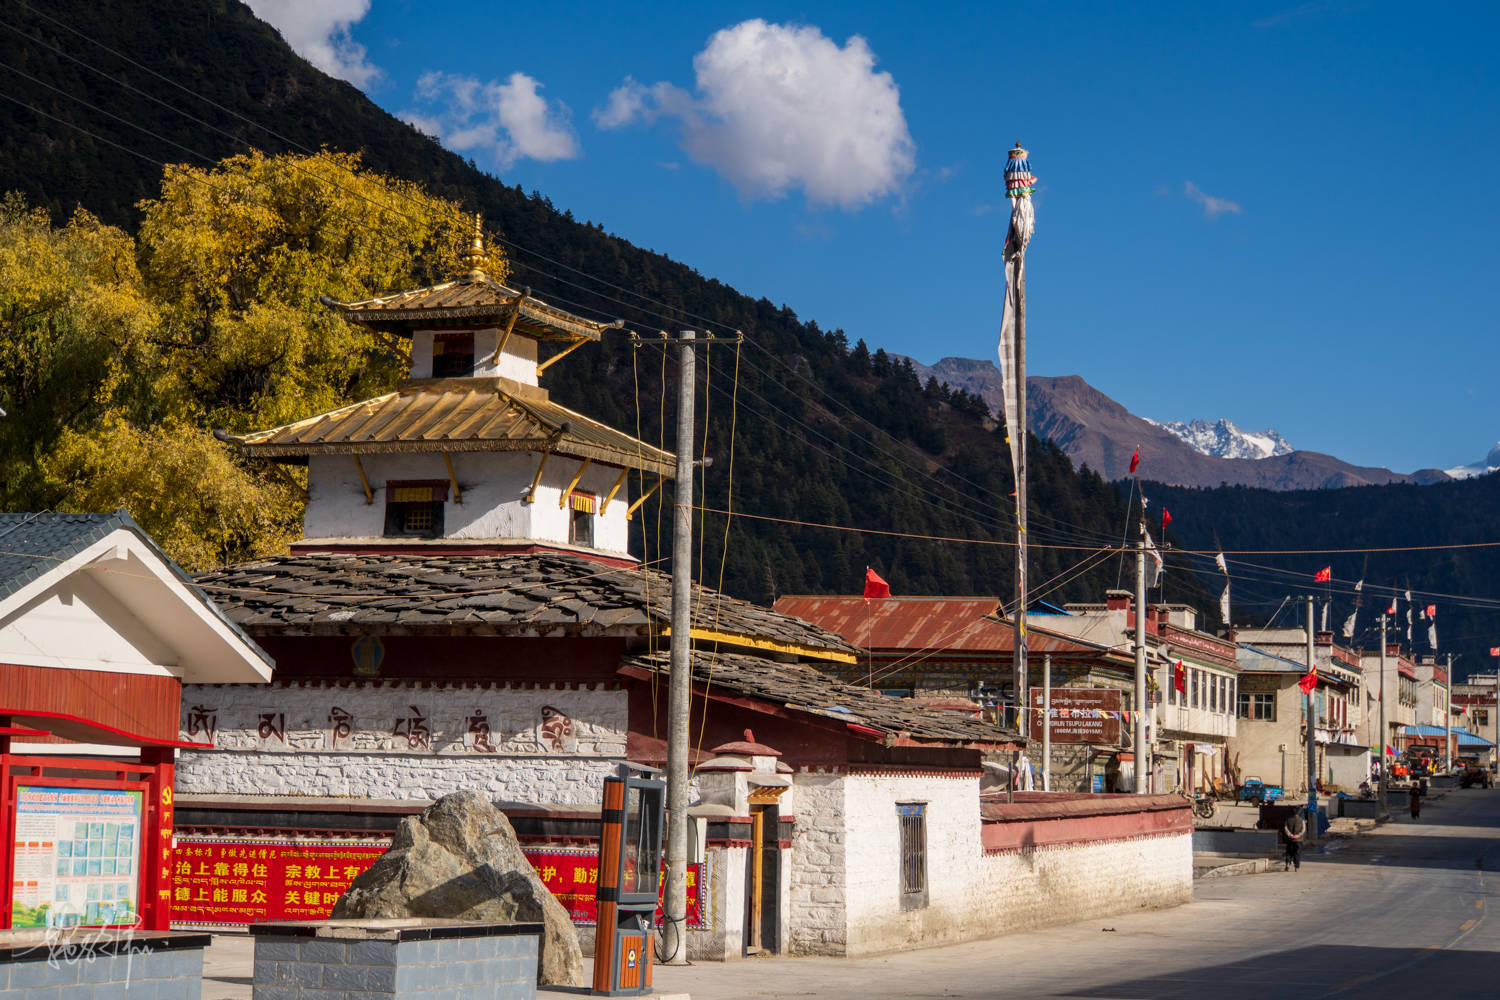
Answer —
540 780
818 922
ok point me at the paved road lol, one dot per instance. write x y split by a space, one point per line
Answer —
1401 912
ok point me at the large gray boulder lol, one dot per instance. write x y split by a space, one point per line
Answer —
461 859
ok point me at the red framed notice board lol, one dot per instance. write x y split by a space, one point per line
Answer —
222 882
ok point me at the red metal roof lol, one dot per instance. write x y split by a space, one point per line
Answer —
903 622
906 624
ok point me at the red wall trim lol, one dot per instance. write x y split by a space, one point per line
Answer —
148 704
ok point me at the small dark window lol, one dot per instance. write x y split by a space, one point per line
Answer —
913 819
415 509
581 519
453 355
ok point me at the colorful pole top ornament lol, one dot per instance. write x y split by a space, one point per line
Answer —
1019 180
1019 183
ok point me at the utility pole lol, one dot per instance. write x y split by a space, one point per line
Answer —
1139 702
1046 722
1448 722
1384 778
679 694
1312 732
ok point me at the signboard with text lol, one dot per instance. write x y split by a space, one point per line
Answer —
241 882
77 856
1083 714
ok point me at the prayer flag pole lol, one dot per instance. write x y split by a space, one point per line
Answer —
1019 184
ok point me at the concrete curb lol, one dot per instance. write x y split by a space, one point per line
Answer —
1254 866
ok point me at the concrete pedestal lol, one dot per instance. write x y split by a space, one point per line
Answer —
98 964
373 959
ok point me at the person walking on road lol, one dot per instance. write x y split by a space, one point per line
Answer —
1292 831
1416 801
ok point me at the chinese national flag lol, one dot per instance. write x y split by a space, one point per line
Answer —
1323 575
1135 461
1179 678
874 585
1495 650
1309 681
1166 518
1432 611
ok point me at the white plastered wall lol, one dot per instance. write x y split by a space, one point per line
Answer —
518 362
494 487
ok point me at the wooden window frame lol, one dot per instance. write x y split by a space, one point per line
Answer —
911 819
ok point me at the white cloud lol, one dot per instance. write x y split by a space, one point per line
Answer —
780 108
318 31
510 120
1212 207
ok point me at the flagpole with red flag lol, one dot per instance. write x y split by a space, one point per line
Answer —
875 586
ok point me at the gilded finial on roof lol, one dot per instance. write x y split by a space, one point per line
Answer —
474 259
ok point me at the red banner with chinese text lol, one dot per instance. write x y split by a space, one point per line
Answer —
238 882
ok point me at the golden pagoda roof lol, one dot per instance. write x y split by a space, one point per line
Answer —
471 300
453 415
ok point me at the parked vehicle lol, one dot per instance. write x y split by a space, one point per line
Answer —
1474 775
1257 792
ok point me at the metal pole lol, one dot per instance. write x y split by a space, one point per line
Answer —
1312 734
1384 778
1046 722
1139 702
679 695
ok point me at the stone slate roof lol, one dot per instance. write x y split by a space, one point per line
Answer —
458 414
804 688
517 593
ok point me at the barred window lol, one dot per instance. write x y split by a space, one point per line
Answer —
913 819
453 355
414 509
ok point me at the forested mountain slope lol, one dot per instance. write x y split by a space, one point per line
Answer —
812 430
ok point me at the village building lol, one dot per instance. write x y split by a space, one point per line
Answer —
1397 688
1432 692
941 647
1475 708
99 633
1272 740
464 613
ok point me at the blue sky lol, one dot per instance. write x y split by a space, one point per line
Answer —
1281 214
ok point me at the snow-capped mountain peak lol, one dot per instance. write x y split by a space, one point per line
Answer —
1222 439
1490 464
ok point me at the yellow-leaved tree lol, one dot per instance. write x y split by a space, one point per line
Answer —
119 358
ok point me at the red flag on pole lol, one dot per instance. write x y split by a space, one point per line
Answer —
1323 575
874 585
1392 609
1166 518
1495 650
1179 678
1135 460
1432 611
1309 681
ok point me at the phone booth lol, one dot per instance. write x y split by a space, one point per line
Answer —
635 808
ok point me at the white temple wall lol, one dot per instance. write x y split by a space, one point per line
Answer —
403 740
518 362
494 487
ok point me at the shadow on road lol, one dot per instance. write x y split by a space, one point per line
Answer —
1323 971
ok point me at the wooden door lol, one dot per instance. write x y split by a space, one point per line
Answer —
755 883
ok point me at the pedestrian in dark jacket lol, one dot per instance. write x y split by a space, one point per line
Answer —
1416 801
1292 831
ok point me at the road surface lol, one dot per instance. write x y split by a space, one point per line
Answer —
1400 912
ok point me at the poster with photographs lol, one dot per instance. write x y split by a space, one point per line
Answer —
77 856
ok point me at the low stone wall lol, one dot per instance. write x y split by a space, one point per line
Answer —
362 959
101 965
990 868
